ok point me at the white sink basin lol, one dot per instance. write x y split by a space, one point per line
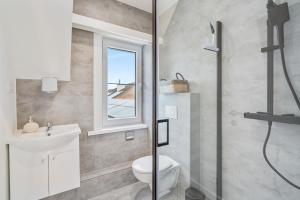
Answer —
44 141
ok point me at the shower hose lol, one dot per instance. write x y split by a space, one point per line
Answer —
270 123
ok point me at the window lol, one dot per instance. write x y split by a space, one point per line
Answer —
121 83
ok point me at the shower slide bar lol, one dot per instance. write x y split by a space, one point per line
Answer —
277 16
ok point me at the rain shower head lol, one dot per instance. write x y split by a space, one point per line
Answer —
279 14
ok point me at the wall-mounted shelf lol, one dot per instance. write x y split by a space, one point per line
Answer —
288 118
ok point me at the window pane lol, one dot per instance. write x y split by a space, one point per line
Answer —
121 85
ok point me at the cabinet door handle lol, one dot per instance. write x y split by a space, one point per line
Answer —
54 157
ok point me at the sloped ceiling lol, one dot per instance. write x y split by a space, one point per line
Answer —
166 5
165 19
166 10
146 5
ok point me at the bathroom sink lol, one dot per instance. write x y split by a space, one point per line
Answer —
44 140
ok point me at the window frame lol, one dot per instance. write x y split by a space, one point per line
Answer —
100 86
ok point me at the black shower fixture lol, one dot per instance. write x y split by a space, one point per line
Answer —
212 29
216 47
277 16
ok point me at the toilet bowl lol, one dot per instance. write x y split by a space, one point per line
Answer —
168 172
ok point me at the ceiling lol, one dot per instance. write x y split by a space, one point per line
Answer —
146 5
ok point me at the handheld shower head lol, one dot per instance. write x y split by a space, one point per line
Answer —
278 15
212 46
212 29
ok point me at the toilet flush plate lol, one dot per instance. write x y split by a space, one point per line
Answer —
171 112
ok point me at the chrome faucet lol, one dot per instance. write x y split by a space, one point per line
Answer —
49 126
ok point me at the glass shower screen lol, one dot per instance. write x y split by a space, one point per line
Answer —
186 103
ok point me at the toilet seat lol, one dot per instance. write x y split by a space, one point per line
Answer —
144 165
168 172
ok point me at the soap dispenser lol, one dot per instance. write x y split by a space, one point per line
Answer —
31 126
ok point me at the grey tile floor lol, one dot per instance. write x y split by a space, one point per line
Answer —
136 191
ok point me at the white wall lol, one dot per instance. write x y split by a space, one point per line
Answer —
147 88
7 109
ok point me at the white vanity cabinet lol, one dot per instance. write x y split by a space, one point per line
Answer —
28 174
63 171
42 165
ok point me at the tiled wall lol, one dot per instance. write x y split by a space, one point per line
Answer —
73 103
115 12
245 174
183 135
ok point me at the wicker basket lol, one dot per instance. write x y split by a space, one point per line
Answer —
174 86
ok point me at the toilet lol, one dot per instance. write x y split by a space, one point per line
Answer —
168 172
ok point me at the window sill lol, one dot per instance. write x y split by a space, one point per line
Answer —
118 129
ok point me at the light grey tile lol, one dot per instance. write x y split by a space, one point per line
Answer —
136 191
103 184
115 12
244 89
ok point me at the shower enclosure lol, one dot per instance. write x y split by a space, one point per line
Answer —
210 68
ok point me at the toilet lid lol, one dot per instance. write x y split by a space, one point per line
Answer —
144 164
